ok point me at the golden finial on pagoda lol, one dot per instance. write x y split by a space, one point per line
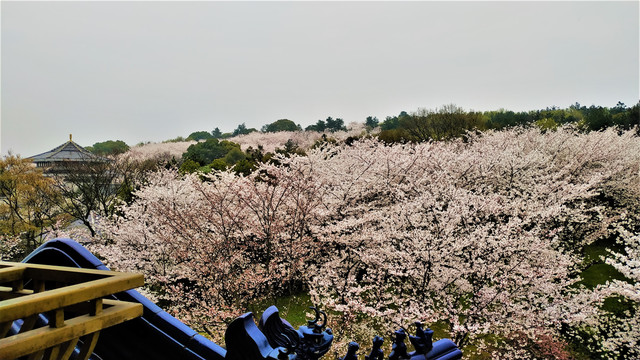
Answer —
70 137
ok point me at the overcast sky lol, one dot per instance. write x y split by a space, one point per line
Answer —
151 71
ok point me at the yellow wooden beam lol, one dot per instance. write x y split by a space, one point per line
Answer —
10 274
28 323
36 355
76 292
4 328
40 339
57 318
62 274
8 293
35 303
89 343
67 348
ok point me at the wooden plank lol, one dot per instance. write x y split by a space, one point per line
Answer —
51 353
38 285
28 323
10 274
96 307
60 273
24 306
8 293
86 307
89 343
4 328
64 276
57 318
18 285
36 355
66 349
56 268
45 337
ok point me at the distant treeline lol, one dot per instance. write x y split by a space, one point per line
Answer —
452 121
442 123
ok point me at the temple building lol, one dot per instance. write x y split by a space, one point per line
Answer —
63 155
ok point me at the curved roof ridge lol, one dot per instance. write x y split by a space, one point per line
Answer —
75 151
81 149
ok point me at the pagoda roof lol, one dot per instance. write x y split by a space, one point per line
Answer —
69 151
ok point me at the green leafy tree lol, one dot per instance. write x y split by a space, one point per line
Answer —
174 140
281 125
244 167
257 155
234 155
242 130
109 147
320 126
619 108
505 118
547 124
205 152
27 202
598 118
335 124
444 123
216 133
189 166
393 122
199 135
574 115
290 148
626 118
219 164
389 123
393 136
371 122
634 116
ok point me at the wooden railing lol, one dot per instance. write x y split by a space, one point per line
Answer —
72 300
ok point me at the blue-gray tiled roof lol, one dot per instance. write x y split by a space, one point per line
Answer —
69 151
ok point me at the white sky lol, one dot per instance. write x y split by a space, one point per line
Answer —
150 71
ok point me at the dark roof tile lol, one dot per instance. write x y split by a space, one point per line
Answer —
69 151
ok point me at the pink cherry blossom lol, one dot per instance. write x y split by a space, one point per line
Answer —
480 234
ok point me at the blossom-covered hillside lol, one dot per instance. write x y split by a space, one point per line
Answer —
269 142
304 139
484 237
159 150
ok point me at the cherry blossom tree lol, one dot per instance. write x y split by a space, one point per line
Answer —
10 248
210 247
466 233
158 151
304 139
616 334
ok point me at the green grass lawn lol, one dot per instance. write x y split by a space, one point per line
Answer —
598 274
293 308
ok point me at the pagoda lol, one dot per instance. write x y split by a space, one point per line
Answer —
69 152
